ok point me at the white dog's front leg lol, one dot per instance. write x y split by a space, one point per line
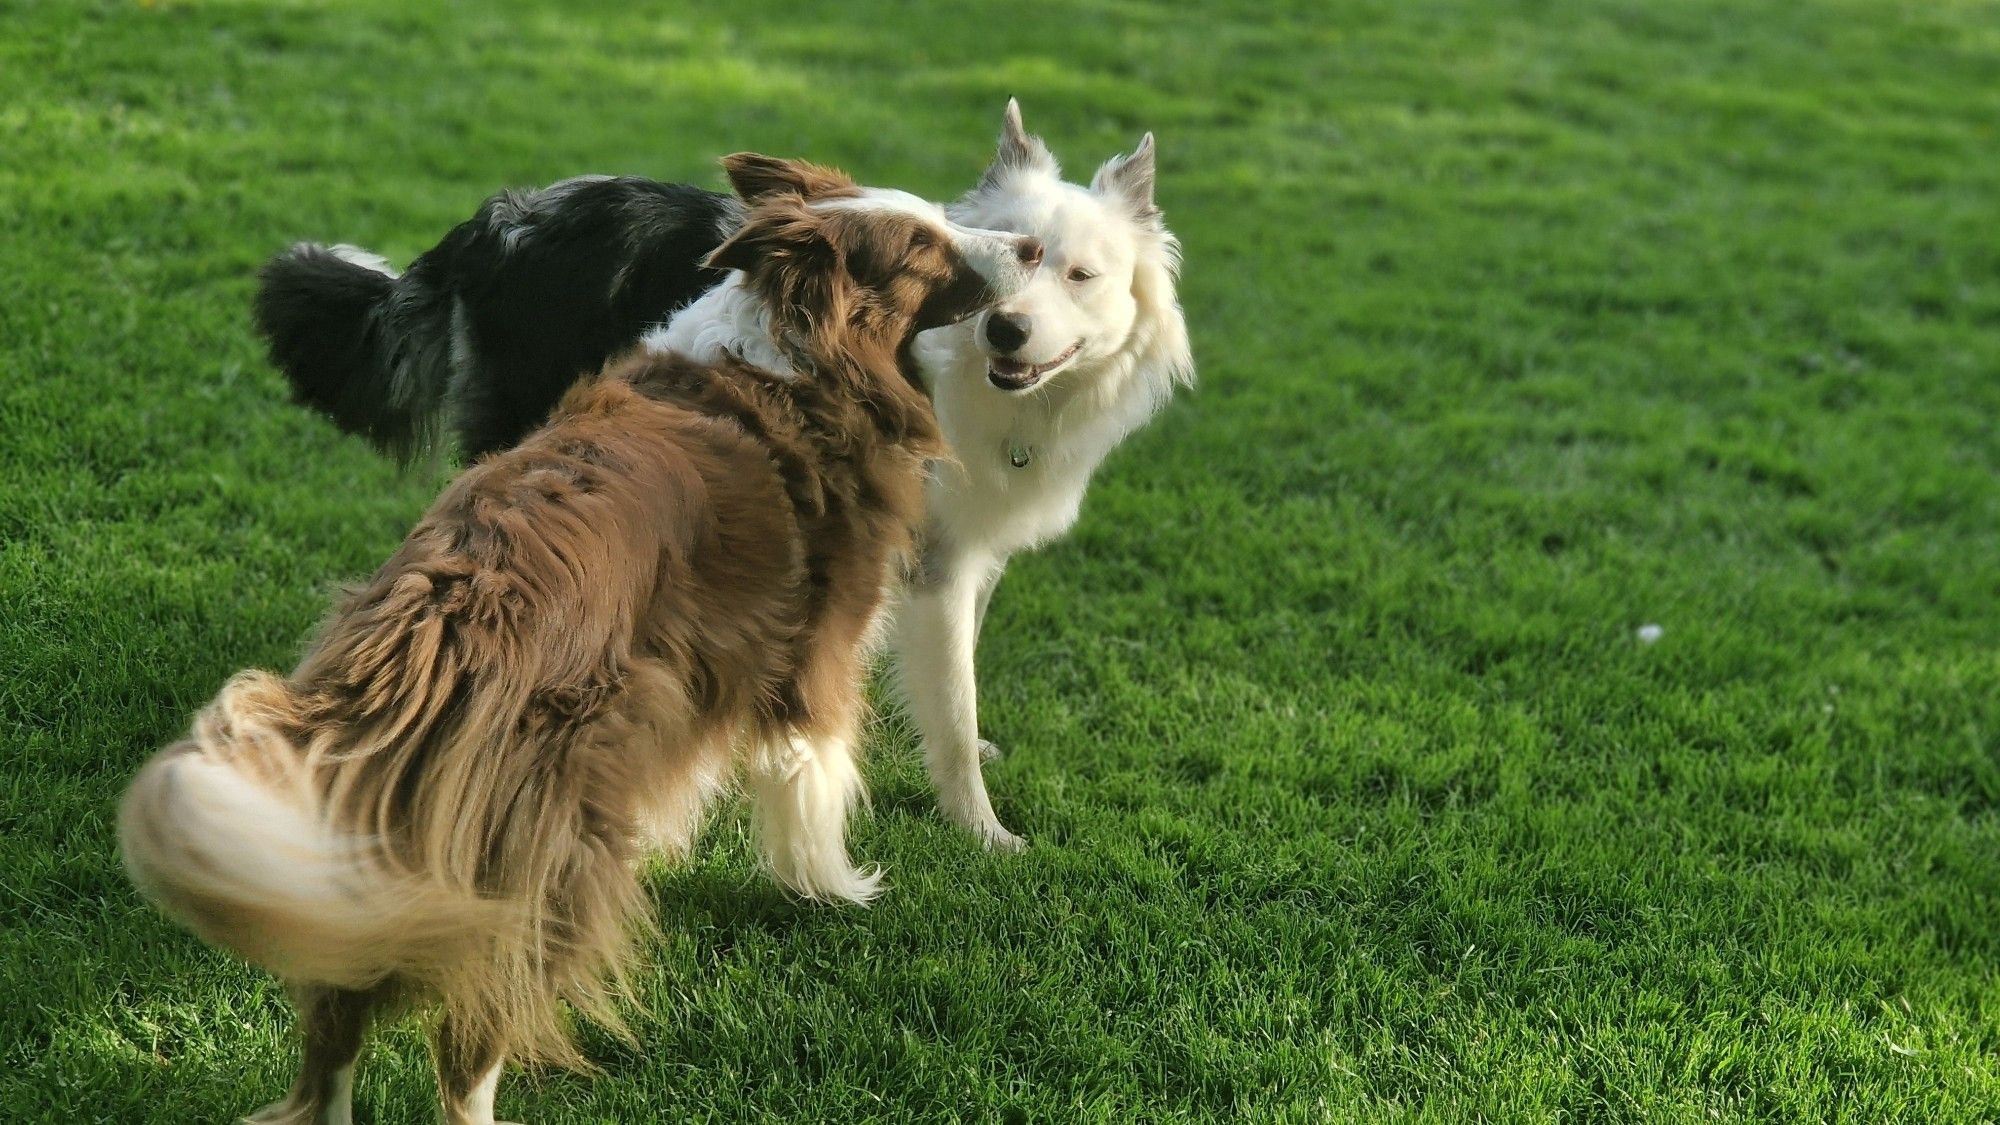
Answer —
988 752
936 633
989 581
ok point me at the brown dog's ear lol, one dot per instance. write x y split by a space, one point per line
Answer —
755 176
794 262
785 232
738 253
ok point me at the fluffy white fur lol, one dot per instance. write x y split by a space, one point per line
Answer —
1132 350
803 793
726 320
366 259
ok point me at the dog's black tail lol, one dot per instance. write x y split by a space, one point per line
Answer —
361 345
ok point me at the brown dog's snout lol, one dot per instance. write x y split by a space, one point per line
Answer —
1028 250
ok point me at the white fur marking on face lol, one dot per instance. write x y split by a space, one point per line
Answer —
884 199
990 252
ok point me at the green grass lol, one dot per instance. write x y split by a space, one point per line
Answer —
1352 795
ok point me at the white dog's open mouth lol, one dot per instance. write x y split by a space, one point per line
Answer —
1013 375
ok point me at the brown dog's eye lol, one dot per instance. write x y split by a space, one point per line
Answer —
1078 274
921 239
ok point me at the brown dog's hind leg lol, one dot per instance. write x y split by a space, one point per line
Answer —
332 1022
468 1072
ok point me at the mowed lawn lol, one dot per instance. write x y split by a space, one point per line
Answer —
1352 793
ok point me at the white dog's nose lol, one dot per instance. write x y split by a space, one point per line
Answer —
1007 331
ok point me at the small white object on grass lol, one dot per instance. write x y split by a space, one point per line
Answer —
1650 634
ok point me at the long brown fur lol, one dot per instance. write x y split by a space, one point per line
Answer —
569 654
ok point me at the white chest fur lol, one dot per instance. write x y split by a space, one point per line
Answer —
1021 462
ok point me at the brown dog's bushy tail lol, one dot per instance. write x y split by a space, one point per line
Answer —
225 832
241 833
433 801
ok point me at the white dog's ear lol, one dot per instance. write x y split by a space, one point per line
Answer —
1019 151
1130 178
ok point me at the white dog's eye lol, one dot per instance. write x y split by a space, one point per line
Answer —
1078 274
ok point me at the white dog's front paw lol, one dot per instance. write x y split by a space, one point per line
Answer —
988 752
980 821
995 837
998 839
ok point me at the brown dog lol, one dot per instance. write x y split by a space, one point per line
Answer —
574 651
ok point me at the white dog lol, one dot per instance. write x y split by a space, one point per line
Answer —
1031 395
485 332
